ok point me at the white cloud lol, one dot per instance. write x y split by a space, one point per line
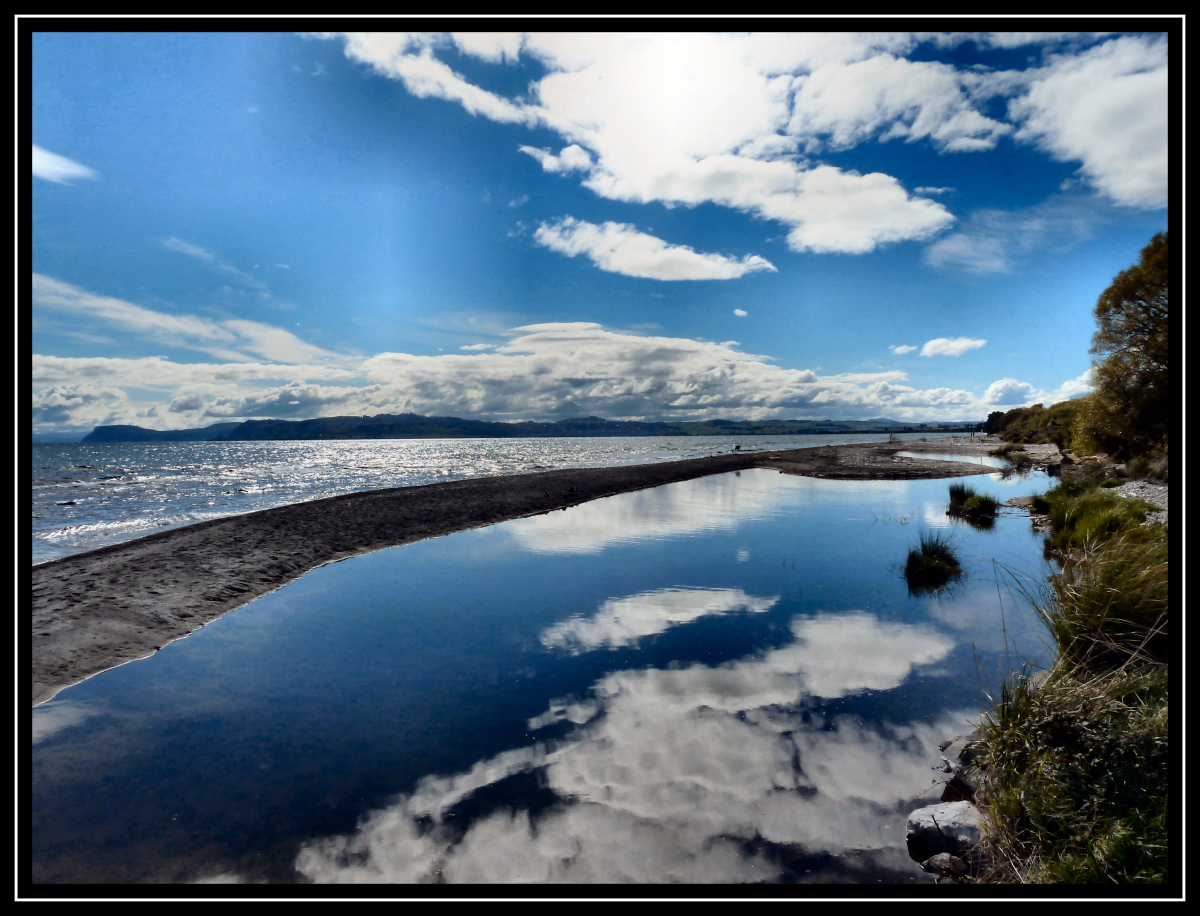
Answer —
1009 392
844 104
950 346
621 248
928 191
58 169
478 346
691 118
1073 388
625 621
741 313
572 158
1106 108
901 349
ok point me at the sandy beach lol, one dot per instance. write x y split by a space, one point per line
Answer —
96 610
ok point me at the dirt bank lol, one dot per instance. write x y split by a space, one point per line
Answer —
99 609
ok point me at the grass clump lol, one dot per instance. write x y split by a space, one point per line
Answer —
1090 517
977 508
931 564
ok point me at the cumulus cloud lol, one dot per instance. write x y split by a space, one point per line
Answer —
621 248
1106 108
691 118
741 313
844 104
901 349
950 346
58 169
572 158
1074 388
1009 392
667 775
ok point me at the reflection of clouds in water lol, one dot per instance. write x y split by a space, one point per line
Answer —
622 621
672 771
719 501
51 718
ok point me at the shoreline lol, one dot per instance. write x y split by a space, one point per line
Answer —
103 608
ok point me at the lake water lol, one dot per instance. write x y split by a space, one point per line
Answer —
89 496
719 680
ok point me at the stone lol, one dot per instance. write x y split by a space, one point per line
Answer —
958 789
952 827
945 865
960 751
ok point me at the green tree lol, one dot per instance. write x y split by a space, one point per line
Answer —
1128 411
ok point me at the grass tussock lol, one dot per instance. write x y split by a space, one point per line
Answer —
1083 513
977 508
931 564
1146 468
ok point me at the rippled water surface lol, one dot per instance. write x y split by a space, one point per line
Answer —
721 680
88 496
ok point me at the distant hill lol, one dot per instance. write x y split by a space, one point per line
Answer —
138 434
413 426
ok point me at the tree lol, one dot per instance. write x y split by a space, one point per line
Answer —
1127 412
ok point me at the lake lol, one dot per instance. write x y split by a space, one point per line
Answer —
721 680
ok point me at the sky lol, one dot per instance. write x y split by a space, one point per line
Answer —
524 226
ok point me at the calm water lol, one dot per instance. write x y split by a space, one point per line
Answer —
87 496
721 680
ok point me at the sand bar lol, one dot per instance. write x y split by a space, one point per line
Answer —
99 609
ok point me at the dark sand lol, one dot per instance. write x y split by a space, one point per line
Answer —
100 609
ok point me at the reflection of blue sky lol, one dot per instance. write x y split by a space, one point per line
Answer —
623 621
670 771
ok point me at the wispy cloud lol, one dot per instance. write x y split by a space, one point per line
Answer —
995 241
232 339
218 264
58 169
621 248
901 349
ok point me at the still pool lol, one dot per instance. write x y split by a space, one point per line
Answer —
721 680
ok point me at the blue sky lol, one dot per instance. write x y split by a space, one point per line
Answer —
525 226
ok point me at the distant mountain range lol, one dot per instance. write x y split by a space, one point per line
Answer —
412 426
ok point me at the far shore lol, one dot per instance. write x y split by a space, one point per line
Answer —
97 610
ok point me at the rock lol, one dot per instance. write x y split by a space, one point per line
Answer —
945 865
960 751
952 827
958 789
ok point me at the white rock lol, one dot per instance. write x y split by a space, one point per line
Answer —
952 827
